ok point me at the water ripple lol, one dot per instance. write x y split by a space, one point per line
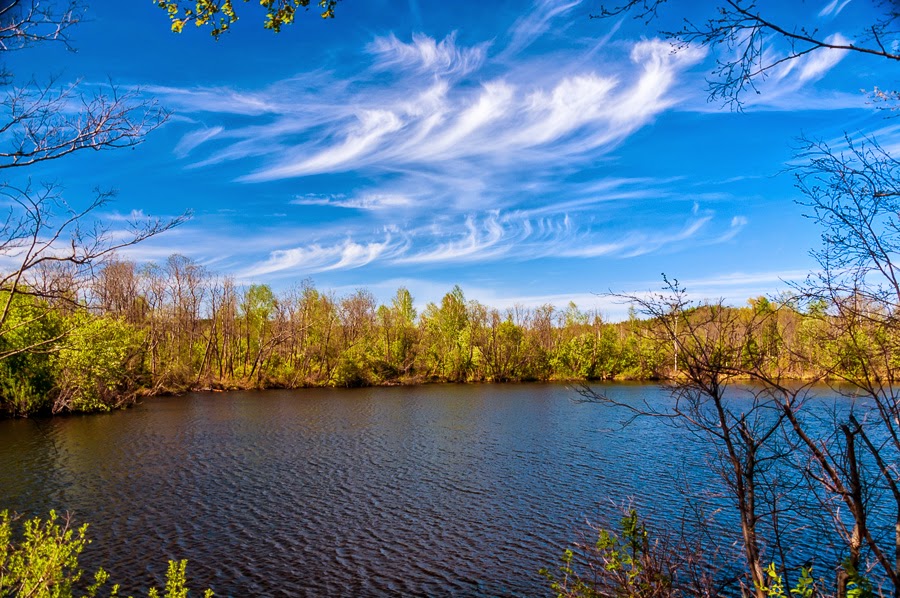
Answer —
432 491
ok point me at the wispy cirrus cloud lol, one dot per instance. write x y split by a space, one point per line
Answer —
481 241
482 238
195 138
314 258
788 84
442 152
817 64
833 8
559 117
426 55
214 100
637 243
366 201
536 22
447 108
737 225
739 279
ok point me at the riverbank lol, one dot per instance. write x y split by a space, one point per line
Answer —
228 387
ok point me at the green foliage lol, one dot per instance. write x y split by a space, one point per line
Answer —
567 583
28 338
352 370
858 585
620 565
176 582
193 331
20 398
258 305
43 563
805 587
575 357
220 15
100 365
626 555
256 311
402 304
448 338
594 355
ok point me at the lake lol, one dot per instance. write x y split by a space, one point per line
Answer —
445 490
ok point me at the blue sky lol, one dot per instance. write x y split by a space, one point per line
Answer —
520 150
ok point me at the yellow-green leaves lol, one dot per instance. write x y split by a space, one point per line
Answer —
805 588
220 15
100 364
44 562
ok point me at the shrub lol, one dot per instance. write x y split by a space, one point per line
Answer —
43 563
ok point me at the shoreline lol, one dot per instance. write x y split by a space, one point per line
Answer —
225 388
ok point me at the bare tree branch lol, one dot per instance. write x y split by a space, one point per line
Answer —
50 250
744 33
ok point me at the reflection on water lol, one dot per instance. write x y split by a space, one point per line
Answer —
436 490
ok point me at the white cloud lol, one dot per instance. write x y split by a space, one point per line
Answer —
737 225
133 216
365 135
213 100
483 237
536 22
789 85
461 156
425 54
318 258
635 243
497 127
194 139
833 8
660 63
817 64
368 201
574 102
745 278
480 242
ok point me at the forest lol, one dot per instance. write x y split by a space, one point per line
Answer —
174 327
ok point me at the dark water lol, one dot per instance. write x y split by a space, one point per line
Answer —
437 491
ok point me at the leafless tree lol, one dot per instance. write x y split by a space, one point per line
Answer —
852 192
746 32
741 424
115 290
46 121
48 248
49 120
844 467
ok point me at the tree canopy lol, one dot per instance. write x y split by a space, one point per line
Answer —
220 15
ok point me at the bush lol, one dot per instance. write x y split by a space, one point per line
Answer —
619 566
631 565
44 563
28 340
100 366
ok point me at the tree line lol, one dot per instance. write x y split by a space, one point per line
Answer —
159 328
